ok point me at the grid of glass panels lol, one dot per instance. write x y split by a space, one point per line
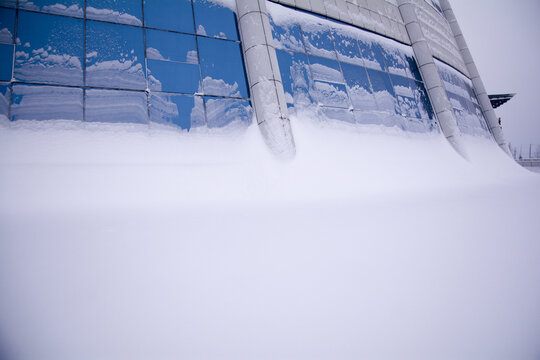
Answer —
461 94
166 61
344 73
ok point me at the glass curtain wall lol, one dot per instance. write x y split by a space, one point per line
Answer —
337 71
166 61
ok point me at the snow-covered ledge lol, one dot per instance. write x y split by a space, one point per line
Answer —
430 75
480 90
264 77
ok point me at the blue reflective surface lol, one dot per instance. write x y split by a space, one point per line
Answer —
7 26
5 91
6 59
221 112
330 94
383 90
405 96
214 19
60 7
347 47
318 40
372 54
359 87
325 69
116 106
171 76
184 111
422 101
395 61
42 102
9 3
115 56
222 68
296 77
116 11
164 45
287 36
176 15
50 49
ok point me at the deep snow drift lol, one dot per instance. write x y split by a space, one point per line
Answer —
122 242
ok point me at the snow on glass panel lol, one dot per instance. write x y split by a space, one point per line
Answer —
175 15
116 106
184 111
114 56
116 11
216 18
49 49
221 112
7 26
60 7
348 74
42 102
5 93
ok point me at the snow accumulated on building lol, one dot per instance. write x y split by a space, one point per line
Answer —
215 63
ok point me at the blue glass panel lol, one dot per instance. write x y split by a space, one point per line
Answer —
318 39
405 96
395 61
347 47
372 54
5 91
287 36
117 11
8 3
329 113
164 45
176 15
213 18
50 49
325 69
184 111
221 112
422 101
173 76
6 60
359 87
383 90
222 68
295 76
114 56
330 94
60 7
41 102
7 26
116 106
413 68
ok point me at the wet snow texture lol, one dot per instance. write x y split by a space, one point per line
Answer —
119 242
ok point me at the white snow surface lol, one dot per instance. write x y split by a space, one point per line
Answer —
134 242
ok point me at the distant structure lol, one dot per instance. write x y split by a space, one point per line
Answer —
210 63
499 99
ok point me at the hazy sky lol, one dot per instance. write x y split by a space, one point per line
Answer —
503 38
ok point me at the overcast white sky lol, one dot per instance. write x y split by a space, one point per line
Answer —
503 38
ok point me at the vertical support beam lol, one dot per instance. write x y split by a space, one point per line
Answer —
481 94
264 77
430 75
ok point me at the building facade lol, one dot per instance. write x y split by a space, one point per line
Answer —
216 63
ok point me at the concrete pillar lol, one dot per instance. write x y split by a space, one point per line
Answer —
264 77
479 89
430 75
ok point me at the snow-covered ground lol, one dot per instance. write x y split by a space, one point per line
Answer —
121 242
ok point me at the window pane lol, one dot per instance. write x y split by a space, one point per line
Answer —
347 46
8 3
182 110
61 7
50 49
359 87
395 61
413 68
405 96
117 11
318 39
337 114
372 54
422 101
215 18
116 106
7 26
39 102
331 94
176 15
325 69
6 61
4 100
173 76
115 56
221 112
383 91
287 36
222 68
164 45
295 76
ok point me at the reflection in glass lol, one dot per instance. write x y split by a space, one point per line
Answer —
287 36
60 7
329 113
359 87
405 96
422 101
372 54
6 59
221 112
116 106
330 94
184 111
175 15
222 68
41 102
116 11
8 3
295 76
173 76
50 49
5 91
215 19
383 91
114 56
318 39
325 69
395 61
7 26
347 46
413 67
164 45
